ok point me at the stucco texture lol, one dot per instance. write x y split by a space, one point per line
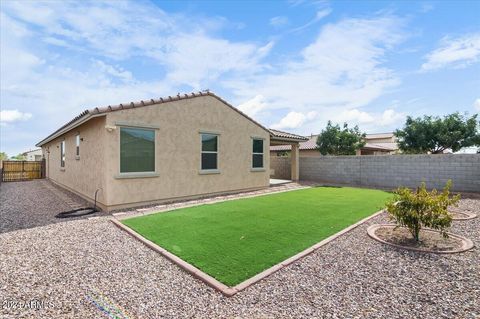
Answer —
178 126
83 174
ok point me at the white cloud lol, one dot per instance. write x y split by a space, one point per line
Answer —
476 104
10 116
390 116
100 41
253 106
279 21
370 121
318 16
357 116
209 58
124 30
294 120
458 53
114 71
341 70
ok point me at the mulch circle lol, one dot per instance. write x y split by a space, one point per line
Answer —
458 214
431 241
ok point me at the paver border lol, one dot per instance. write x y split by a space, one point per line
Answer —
224 289
469 215
467 244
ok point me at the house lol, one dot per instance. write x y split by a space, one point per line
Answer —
159 150
33 155
379 144
376 144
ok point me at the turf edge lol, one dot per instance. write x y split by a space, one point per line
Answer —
214 283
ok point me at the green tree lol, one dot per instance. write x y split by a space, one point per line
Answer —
19 157
3 156
435 134
420 208
334 140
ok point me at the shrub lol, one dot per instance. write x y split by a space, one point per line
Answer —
420 208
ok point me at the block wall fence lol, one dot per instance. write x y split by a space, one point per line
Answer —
388 171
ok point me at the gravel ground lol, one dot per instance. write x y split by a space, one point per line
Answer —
33 203
352 277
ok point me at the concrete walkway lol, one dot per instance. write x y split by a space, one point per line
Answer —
283 187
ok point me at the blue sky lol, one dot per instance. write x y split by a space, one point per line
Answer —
291 65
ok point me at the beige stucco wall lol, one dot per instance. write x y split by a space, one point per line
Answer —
35 155
85 174
178 146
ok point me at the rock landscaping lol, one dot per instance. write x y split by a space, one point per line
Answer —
35 203
69 264
431 240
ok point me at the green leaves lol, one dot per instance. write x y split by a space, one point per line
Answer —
434 134
420 208
336 141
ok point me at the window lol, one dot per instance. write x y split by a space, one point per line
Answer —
62 154
77 143
209 152
137 150
257 157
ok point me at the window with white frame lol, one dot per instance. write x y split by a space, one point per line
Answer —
257 156
77 145
137 150
62 154
209 159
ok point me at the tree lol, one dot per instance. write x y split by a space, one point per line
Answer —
420 208
3 156
19 157
336 141
434 134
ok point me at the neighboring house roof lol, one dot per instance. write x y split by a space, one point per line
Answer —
284 135
311 143
100 111
379 135
31 151
380 146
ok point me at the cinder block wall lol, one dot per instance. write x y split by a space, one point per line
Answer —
280 167
391 171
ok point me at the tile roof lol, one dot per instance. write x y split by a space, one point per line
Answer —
379 135
282 134
381 146
87 114
311 144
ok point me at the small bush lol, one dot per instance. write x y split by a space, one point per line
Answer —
420 208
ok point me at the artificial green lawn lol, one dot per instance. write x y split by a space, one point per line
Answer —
234 240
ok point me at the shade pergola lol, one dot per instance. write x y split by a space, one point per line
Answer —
283 138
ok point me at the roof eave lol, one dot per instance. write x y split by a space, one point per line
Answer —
70 127
88 114
285 139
